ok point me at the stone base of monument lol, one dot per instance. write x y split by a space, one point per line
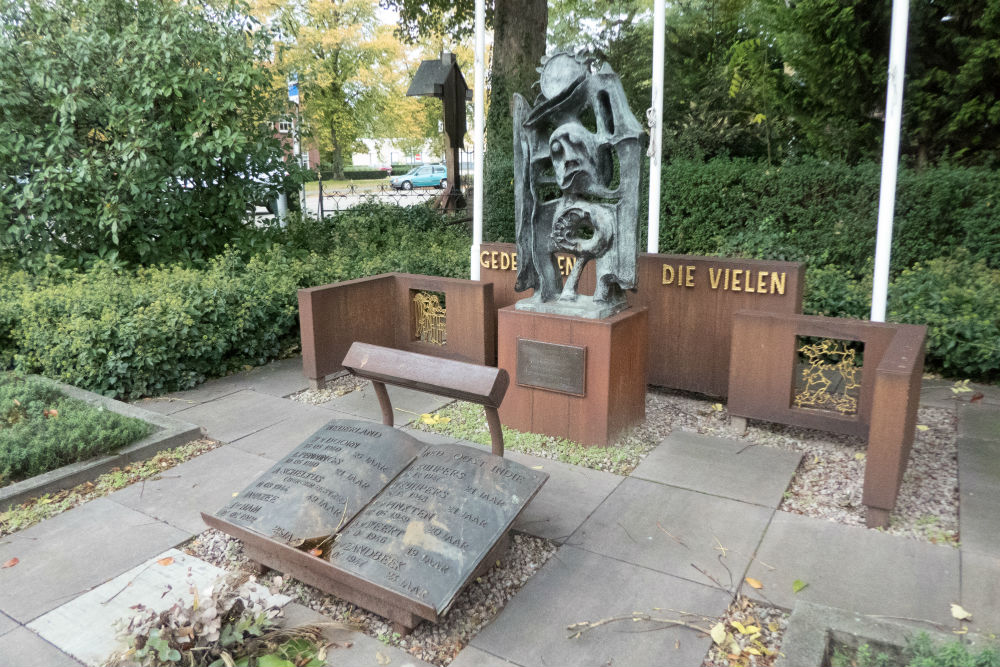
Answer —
582 306
575 378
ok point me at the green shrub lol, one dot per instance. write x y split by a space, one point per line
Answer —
42 429
150 331
357 174
833 291
959 301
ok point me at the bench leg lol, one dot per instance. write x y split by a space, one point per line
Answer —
496 432
383 401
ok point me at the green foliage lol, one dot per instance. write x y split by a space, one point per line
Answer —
959 301
42 429
923 652
825 213
150 331
834 291
125 154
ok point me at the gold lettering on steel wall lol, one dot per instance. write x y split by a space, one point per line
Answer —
429 318
829 380
502 260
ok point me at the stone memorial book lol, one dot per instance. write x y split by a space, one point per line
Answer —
381 509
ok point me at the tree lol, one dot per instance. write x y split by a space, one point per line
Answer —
130 130
347 63
519 29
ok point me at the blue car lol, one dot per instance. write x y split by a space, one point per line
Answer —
424 176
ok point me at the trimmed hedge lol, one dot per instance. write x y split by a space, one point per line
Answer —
357 174
155 330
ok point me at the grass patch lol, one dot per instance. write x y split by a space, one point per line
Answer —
42 429
467 421
38 509
920 651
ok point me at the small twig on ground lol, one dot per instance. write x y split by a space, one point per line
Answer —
585 626
672 536
713 579
626 531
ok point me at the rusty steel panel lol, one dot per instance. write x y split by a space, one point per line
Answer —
378 310
552 366
762 379
615 371
485 385
691 302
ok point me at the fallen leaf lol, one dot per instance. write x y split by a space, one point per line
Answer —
798 585
717 407
860 456
739 627
976 397
718 633
773 627
959 613
17 402
960 387
236 493
963 631
752 651
316 552
922 427
677 644
754 583
752 630
51 413
165 561
11 563
381 658
536 467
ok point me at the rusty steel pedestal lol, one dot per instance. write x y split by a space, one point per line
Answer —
575 378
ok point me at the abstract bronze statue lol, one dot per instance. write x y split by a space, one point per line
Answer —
576 188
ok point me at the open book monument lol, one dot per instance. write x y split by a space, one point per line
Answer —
371 514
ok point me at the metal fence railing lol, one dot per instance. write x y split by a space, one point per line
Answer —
327 201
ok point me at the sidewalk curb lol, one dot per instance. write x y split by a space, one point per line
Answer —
171 432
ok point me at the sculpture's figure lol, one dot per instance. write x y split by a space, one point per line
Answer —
576 188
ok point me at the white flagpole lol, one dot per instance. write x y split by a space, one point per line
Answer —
890 157
655 118
479 98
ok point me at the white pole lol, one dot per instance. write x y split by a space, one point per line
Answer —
890 157
477 167
655 120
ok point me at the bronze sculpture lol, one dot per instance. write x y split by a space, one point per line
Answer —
576 188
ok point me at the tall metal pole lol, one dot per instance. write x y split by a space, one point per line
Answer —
890 157
655 120
479 98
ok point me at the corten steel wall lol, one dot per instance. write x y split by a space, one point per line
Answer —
615 388
762 386
690 317
379 310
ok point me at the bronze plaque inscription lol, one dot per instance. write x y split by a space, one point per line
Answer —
561 368
324 482
428 531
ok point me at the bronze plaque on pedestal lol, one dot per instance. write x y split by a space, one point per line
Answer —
552 366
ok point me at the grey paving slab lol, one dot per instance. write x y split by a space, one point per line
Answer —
856 569
979 421
407 404
721 466
571 494
203 484
575 586
23 648
71 553
433 438
276 440
239 414
981 589
166 405
6 624
471 656
84 627
979 494
675 531
279 378
363 651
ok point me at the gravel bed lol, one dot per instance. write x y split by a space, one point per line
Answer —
756 630
335 388
438 643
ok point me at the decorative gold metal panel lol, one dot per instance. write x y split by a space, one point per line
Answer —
830 377
429 318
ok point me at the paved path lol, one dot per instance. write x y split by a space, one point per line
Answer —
697 516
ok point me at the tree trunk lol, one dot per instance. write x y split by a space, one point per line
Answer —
337 166
518 45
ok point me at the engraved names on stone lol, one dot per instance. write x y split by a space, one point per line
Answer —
324 482
427 532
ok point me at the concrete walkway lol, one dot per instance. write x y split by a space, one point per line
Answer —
681 533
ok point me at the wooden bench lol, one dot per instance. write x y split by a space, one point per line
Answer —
484 385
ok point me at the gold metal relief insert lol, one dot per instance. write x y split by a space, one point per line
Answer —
429 317
829 376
